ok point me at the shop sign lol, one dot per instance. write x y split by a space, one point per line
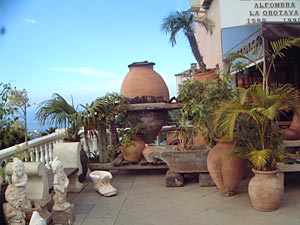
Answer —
256 11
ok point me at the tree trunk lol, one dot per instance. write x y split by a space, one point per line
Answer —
102 142
195 49
114 133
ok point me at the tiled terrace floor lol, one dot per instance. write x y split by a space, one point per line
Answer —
143 199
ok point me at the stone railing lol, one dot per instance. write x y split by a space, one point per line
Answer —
37 150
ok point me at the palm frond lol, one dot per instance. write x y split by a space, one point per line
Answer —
259 158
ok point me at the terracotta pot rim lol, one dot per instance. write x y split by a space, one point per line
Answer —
220 140
143 63
205 72
265 172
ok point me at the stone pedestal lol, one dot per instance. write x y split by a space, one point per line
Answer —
174 179
65 217
205 180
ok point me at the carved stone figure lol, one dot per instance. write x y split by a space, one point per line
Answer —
102 184
14 211
36 219
19 179
60 184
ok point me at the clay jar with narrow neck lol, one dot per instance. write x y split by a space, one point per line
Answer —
225 170
144 85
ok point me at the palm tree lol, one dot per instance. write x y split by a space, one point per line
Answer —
95 118
58 112
185 21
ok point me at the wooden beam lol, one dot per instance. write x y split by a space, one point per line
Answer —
153 106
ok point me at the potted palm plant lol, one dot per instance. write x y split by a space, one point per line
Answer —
97 117
250 120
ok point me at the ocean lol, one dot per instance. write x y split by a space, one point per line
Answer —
32 123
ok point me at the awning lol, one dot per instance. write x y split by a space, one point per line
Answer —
247 37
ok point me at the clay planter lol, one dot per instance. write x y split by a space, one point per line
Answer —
143 85
226 172
133 153
266 190
208 75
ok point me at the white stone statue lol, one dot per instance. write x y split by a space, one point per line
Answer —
60 184
36 219
14 211
19 179
102 184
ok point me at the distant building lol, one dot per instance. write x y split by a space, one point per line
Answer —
185 75
241 25
250 23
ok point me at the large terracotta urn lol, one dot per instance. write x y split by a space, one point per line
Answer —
226 171
266 190
143 85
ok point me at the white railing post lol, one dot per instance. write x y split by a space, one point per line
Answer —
31 156
50 152
47 156
37 155
42 156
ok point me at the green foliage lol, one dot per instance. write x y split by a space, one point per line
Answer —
200 99
59 113
103 114
12 129
250 120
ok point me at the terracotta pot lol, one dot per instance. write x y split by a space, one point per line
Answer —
199 139
143 85
226 172
266 190
142 80
208 75
133 153
293 132
146 153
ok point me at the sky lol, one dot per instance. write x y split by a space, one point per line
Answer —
82 48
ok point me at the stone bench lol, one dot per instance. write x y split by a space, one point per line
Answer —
69 154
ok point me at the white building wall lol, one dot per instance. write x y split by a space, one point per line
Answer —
230 13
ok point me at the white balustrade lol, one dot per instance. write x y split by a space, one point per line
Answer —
38 150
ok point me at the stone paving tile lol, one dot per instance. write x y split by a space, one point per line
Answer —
83 208
98 221
290 216
143 199
211 217
79 218
87 197
105 209
137 222
124 218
